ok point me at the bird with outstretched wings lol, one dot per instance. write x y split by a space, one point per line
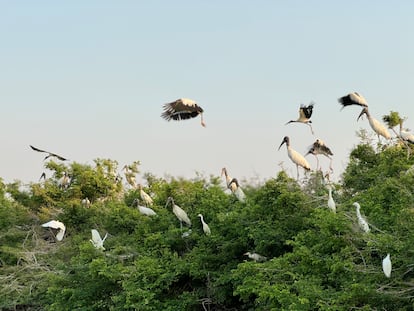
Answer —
49 154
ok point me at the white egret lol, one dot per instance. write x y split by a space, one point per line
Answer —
363 224
331 202
182 109
256 257
56 224
145 210
305 113
206 228
387 266
295 156
179 212
97 241
352 99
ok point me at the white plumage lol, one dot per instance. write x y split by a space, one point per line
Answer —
206 228
295 156
387 266
97 241
130 176
363 224
376 126
256 257
64 181
233 185
331 202
145 196
407 136
305 113
179 212
55 224
86 202
352 99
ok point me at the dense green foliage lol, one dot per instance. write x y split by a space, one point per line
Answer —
316 259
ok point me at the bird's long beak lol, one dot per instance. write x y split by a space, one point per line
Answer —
281 144
361 114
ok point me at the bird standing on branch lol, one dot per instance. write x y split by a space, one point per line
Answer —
377 126
295 156
182 109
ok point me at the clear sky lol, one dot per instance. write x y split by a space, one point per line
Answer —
87 80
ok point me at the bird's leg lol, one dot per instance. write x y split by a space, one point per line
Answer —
297 172
330 164
311 128
202 121
317 162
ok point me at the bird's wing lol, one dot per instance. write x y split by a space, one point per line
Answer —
55 224
37 149
96 237
307 110
181 110
50 154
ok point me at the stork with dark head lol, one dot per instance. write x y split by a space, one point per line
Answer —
295 156
319 147
182 109
305 113
352 99
377 126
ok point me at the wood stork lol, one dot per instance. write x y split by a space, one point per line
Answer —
233 185
179 212
377 126
49 154
182 109
295 156
96 240
405 135
130 176
363 224
256 257
64 181
352 99
145 196
331 202
305 113
319 147
145 210
56 224
206 228
387 266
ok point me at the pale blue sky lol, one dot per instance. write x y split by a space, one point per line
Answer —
87 79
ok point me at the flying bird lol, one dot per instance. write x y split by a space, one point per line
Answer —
295 156
97 241
256 257
179 212
49 154
387 266
331 202
319 147
377 126
363 224
182 109
55 224
305 113
352 99
206 228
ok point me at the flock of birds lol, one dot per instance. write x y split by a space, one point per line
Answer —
184 109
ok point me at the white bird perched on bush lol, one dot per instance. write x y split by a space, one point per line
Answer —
361 220
145 196
64 181
206 228
56 224
387 266
376 126
179 212
86 202
233 185
295 156
145 210
331 202
97 241
256 257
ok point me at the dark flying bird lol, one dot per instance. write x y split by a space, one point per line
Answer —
305 113
182 109
352 99
49 154
319 147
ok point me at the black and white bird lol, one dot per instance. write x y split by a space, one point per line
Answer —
49 154
182 109
64 181
319 147
295 156
145 210
305 113
379 128
352 99
56 224
233 185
